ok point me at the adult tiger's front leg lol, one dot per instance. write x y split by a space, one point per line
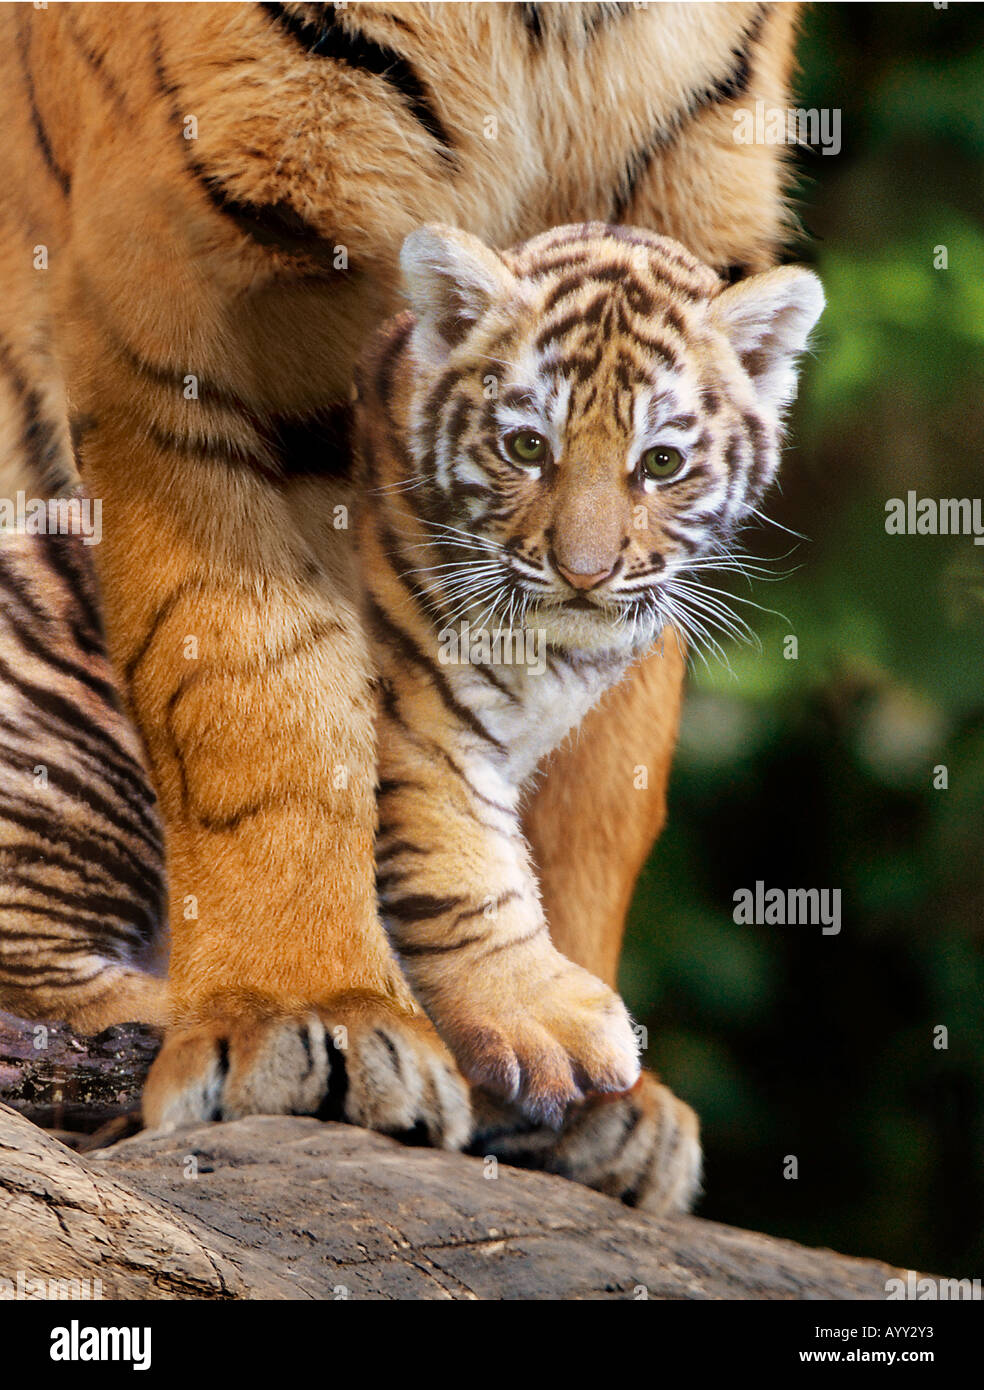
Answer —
247 674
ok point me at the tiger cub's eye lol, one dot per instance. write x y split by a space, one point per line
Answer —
526 446
662 461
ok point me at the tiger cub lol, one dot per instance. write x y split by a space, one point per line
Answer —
549 441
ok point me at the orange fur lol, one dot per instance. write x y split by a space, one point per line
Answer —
160 268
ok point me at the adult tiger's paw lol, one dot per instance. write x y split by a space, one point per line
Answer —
642 1147
357 1058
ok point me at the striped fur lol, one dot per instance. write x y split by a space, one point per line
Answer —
642 1148
81 852
602 344
179 318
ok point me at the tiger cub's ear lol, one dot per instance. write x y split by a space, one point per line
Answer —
767 319
452 278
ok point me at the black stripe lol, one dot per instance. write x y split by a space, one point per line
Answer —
66 558
307 444
12 585
161 614
389 787
388 852
430 602
75 726
133 796
332 1106
391 1049
330 39
68 716
93 845
166 377
94 60
40 133
760 453
89 902
734 83
605 12
41 855
380 390
499 902
686 541
532 22
725 88
658 347
275 225
405 644
433 411
733 273
201 449
99 753
314 446
39 436
420 907
278 225
48 974
499 946
54 914
46 653
437 948
631 1121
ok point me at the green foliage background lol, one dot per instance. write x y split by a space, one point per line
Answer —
818 772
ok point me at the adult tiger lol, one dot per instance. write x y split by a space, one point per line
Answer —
202 210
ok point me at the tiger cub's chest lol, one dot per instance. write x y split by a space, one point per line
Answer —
529 708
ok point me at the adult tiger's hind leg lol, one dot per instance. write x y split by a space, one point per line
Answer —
592 824
82 925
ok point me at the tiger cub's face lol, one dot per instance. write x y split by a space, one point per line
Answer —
597 410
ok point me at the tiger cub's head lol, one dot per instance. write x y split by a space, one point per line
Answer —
598 410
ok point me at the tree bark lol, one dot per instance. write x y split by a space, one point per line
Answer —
289 1207
62 1080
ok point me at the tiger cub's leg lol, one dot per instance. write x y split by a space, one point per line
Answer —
522 1020
247 674
643 1147
596 813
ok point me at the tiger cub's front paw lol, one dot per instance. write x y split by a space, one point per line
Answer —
357 1058
543 1039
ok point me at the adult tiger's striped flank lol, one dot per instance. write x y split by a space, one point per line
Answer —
81 850
559 441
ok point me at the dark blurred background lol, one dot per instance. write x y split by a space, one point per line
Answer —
818 772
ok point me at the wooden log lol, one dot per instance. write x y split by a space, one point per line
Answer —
63 1080
289 1207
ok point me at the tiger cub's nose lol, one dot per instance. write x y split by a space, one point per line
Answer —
583 581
